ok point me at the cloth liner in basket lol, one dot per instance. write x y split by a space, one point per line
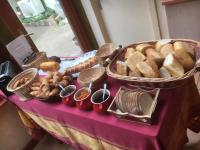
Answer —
154 82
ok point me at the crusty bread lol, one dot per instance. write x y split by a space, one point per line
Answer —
129 52
142 47
164 73
146 70
153 65
173 66
184 47
122 68
135 73
155 55
161 43
50 66
184 58
135 58
166 49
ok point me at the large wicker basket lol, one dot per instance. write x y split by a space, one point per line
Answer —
154 82
24 91
40 58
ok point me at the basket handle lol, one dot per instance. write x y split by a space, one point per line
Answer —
109 59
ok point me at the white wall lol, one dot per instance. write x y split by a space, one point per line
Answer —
127 21
184 20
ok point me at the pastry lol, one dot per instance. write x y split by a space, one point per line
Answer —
173 66
146 70
135 58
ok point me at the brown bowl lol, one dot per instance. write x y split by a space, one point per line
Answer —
95 75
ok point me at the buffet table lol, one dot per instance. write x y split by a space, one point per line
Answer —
90 130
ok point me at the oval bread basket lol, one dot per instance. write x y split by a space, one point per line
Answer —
95 75
144 82
24 90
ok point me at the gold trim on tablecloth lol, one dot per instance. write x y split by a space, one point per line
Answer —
64 131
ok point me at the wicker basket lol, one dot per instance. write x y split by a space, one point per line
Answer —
105 51
95 75
144 82
24 91
40 58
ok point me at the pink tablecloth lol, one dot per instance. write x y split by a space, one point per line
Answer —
168 131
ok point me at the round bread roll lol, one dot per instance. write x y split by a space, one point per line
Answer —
184 58
183 46
155 55
146 70
161 43
142 47
166 49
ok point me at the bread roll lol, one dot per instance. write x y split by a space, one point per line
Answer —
164 73
50 66
122 68
184 58
154 66
129 52
135 58
173 66
146 70
142 47
166 49
153 54
161 43
183 46
135 73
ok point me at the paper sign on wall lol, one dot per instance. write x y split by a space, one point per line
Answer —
19 48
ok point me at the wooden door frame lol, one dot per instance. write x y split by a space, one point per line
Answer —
80 24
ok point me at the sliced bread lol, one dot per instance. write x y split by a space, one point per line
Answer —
173 66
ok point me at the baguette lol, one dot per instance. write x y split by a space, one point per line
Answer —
122 68
184 58
129 52
183 46
166 49
135 58
142 47
173 66
155 55
146 70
